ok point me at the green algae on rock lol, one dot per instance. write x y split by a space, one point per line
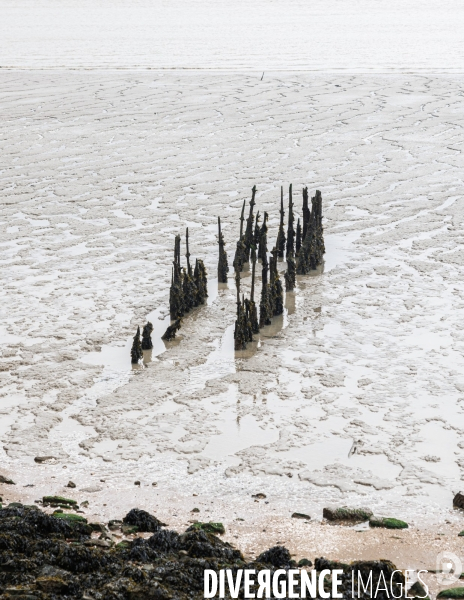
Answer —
70 517
59 501
452 593
210 527
387 523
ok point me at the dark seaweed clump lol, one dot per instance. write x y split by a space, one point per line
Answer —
143 520
43 557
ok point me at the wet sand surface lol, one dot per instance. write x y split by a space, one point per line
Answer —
322 35
355 398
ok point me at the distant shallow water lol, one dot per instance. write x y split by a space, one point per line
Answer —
280 35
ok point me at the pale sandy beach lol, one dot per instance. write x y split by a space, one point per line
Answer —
354 397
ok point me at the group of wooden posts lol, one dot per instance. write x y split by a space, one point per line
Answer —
188 290
303 250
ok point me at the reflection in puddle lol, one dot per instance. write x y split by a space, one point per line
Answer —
238 435
117 357
290 302
436 450
220 361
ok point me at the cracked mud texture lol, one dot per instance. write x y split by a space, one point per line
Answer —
356 399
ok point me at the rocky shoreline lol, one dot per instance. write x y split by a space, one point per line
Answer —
62 555
56 549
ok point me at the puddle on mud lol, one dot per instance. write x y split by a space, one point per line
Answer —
220 361
237 435
116 358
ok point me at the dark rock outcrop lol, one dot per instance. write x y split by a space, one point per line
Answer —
143 520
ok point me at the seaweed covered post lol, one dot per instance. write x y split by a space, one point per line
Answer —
246 307
249 233
304 259
147 344
188 284
170 332
313 248
275 286
242 218
303 263
262 246
240 333
252 304
290 228
290 274
281 239
136 350
319 227
176 293
201 281
240 254
298 238
239 257
257 231
318 247
265 312
306 212
187 252
223 267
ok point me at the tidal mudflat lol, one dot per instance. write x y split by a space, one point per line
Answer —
355 397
